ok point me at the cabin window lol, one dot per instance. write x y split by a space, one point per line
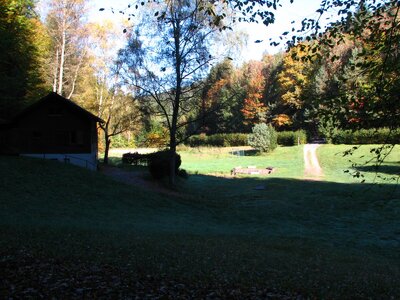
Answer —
76 137
70 138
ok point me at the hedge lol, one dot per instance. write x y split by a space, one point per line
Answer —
367 136
285 138
292 138
218 140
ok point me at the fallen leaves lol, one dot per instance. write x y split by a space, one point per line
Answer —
26 276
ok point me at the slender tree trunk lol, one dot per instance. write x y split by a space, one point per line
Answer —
55 74
172 138
107 148
172 159
76 75
100 97
107 140
62 61
178 90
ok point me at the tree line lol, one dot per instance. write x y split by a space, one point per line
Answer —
343 78
336 81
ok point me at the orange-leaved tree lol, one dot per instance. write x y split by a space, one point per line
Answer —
254 110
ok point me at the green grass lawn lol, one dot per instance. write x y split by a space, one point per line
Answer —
334 163
289 161
334 238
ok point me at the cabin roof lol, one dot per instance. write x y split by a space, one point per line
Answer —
51 98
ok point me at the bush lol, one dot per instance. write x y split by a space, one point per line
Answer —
183 174
236 139
366 136
154 137
120 141
218 140
159 166
328 128
292 138
197 140
264 138
135 159
117 141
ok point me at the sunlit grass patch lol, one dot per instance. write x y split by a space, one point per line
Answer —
340 167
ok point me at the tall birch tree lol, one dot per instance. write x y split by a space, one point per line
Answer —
103 94
66 26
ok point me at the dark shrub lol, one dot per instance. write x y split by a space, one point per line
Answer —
216 140
135 159
292 138
197 140
159 164
183 174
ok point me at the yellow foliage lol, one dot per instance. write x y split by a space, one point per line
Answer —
155 139
282 120
293 78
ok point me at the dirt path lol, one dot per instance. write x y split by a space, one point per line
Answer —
137 179
133 178
312 169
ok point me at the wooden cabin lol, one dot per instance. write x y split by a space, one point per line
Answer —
53 128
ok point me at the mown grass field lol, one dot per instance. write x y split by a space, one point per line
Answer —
333 238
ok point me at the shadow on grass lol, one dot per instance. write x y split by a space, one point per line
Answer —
392 169
335 214
330 240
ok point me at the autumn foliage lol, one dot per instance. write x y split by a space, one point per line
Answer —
282 120
254 110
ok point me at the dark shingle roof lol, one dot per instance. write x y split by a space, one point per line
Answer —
56 97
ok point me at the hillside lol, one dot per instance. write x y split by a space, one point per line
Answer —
82 233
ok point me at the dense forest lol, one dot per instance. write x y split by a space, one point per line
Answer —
344 77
